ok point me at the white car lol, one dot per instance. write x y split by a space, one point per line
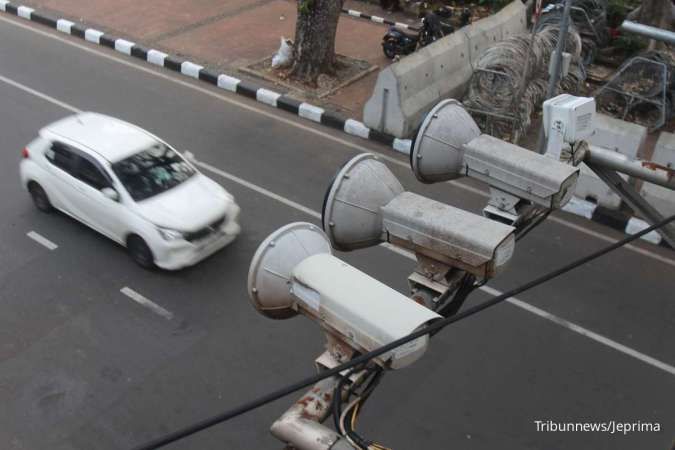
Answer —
130 186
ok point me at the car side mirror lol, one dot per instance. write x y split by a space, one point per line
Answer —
110 193
189 156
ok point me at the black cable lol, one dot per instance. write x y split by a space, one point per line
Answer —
365 393
364 358
536 221
337 397
466 286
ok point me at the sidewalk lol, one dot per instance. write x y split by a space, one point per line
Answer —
226 35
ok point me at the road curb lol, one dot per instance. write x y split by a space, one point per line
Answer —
223 81
618 220
380 20
614 219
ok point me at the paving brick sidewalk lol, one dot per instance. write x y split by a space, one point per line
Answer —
229 34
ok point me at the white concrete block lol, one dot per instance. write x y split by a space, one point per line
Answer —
310 112
402 145
228 83
24 12
3 5
190 69
266 96
124 46
636 225
64 25
156 57
92 35
357 128
580 207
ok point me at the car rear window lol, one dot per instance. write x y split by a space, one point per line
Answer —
152 171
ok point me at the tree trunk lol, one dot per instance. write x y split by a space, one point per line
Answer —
657 13
314 49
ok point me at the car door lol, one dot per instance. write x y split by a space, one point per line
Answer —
62 186
105 215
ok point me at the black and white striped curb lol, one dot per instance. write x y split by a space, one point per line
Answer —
377 19
614 219
223 81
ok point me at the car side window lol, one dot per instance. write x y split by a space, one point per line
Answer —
63 158
89 173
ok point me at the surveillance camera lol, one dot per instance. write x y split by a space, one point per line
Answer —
366 205
449 145
293 271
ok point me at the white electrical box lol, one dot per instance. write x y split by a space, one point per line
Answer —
575 114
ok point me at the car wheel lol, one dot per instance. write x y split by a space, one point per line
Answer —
389 50
140 252
39 196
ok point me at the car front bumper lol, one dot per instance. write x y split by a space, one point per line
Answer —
174 255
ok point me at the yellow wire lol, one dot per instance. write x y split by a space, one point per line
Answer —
378 446
354 415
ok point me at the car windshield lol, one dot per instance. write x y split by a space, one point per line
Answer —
152 171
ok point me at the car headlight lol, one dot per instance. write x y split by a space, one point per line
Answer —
169 234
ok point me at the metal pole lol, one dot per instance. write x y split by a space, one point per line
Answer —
644 170
655 33
634 200
557 61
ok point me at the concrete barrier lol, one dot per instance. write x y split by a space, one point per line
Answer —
613 134
405 91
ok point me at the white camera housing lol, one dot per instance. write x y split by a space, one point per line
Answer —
449 145
366 205
293 271
520 172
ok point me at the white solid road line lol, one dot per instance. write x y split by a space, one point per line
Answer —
584 332
259 189
37 237
46 97
275 116
317 215
489 290
138 298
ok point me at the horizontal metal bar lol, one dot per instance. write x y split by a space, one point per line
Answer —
651 32
644 170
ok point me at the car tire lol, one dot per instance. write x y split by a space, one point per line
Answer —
389 49
140 252
40 197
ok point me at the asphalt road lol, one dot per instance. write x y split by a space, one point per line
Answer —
82 366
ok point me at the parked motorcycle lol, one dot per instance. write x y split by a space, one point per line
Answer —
402 42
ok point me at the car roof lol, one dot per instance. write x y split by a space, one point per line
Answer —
111 138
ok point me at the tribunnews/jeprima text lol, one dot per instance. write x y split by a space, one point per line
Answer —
611 427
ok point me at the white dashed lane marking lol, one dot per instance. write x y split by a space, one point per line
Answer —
154 307
37 237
